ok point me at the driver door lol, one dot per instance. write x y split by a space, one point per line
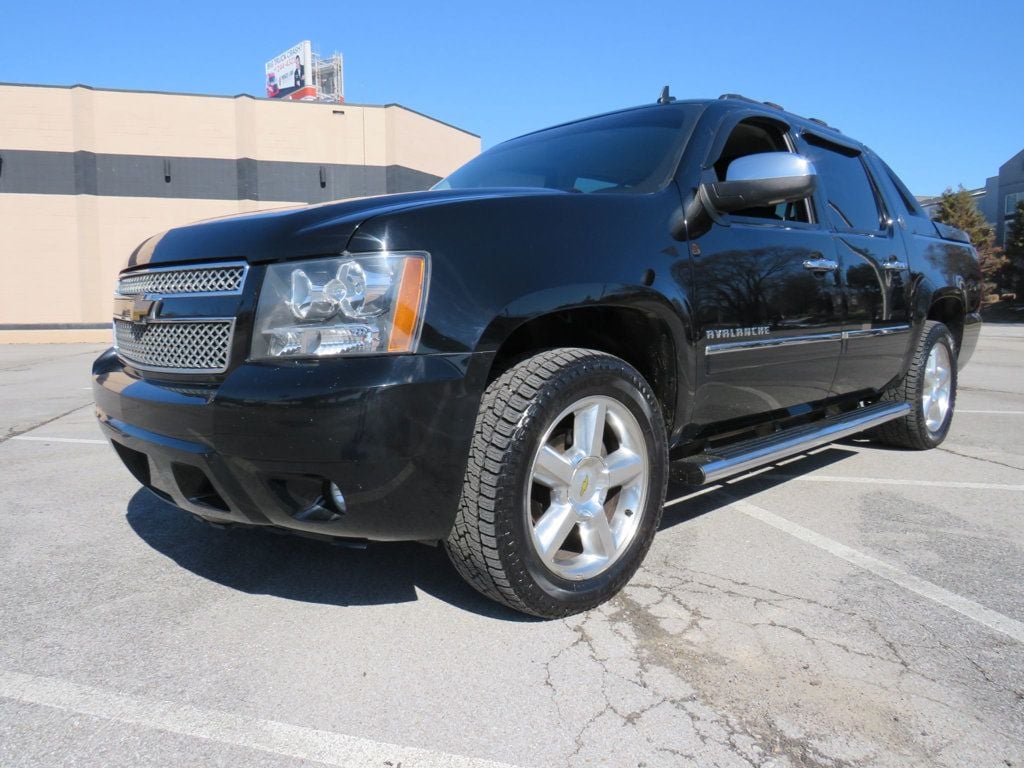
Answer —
767 299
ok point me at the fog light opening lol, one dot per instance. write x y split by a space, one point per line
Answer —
337 498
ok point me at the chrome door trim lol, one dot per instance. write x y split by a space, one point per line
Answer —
866 332
747 345
743 346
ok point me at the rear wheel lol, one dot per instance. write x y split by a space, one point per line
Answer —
930 388
565 483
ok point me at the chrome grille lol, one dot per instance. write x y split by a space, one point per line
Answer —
200 346
222 278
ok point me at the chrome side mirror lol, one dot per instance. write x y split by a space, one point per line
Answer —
757 181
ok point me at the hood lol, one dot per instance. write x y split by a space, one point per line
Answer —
289 233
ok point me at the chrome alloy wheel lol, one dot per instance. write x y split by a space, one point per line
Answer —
587 488
936 390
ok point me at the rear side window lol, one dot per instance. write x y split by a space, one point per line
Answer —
909 202
850 197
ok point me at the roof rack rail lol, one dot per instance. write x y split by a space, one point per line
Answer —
738 97
823 124
773 105
741 97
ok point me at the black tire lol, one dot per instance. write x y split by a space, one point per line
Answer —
911 431
491 542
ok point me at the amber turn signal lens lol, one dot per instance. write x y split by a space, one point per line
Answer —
410 293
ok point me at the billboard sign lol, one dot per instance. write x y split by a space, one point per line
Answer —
290 74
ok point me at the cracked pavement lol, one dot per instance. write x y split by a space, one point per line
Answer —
737 643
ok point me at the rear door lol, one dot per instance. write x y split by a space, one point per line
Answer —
874 273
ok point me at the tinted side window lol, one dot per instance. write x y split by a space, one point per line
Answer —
850 197
752 137
909 201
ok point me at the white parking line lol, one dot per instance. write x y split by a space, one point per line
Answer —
278 738
994 413
39 439
695 494
896 481
770 472
962 605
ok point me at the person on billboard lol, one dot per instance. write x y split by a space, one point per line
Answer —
300 72
273 90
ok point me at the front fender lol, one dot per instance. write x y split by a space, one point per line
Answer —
668 341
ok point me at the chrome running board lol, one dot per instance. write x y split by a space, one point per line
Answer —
719 463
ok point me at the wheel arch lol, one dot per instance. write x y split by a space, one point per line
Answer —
649 337
946 304
949 309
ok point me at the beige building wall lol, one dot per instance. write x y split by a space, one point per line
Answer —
62 229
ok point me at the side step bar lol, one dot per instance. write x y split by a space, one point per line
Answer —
719 463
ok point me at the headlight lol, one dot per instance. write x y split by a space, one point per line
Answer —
349 305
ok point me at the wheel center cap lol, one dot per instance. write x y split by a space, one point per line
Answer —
589 478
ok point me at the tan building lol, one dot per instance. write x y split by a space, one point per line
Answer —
87 174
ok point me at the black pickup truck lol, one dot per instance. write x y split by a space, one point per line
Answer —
506 363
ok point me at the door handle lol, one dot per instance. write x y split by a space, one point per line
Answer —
894 266
821 265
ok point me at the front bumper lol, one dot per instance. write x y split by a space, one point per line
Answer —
263 446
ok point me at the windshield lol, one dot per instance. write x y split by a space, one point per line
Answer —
635 151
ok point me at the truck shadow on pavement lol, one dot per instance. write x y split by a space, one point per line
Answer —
256 561
712 497
261 562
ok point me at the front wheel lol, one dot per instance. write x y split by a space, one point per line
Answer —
565 483
930 388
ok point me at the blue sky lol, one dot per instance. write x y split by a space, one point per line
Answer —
934 87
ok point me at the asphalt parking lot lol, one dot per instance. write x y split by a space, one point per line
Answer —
853 607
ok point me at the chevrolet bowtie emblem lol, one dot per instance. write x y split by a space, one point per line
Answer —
140 311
